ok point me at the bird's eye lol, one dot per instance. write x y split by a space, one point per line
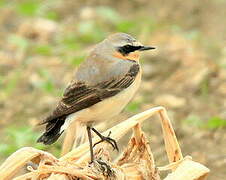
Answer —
128 40
128 48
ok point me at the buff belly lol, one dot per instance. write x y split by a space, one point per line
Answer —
105 109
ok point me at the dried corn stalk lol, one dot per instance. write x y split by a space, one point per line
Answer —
135 163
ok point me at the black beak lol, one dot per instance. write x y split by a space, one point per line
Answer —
145 48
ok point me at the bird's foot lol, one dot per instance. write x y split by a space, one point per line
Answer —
107 139
103 167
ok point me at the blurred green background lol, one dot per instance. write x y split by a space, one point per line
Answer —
42 42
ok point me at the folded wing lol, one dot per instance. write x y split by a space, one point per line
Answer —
79 95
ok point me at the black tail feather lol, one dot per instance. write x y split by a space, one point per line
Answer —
52 132
48 139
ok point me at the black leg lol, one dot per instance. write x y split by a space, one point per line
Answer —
104 166
90 144
108 139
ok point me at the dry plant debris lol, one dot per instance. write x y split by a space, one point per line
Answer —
135 163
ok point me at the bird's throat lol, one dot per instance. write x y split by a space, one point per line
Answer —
133 56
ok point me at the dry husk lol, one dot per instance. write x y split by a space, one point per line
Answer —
135 163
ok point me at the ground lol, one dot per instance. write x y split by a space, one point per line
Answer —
42 43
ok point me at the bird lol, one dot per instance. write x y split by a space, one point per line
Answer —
104 83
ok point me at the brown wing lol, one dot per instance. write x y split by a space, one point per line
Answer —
79 95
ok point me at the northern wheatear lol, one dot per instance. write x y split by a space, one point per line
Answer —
102 86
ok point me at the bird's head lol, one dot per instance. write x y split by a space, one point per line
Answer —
124 46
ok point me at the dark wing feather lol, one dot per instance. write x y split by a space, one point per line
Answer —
79 95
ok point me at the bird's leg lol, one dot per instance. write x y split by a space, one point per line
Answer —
104 166
90 144
107 139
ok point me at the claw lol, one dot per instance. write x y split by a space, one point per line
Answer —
107 139
105 168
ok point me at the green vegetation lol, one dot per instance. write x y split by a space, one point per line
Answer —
43 41
17 138
133 106
212 124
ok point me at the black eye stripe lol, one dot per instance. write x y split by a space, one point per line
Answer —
128 49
